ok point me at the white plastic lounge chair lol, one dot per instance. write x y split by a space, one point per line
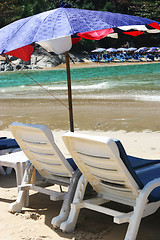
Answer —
114 179
8 145
16 160
38 144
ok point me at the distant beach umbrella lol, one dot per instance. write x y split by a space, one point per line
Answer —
153 49
122 49
131 49
142 49
98 50
111 50
56 30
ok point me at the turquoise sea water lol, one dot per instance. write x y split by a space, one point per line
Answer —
137 82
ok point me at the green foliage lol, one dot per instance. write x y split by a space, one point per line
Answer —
11 10
8 12
148 9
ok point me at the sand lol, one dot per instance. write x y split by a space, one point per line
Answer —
88 63
102 115
34 221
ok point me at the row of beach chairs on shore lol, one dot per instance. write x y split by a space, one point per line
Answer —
99 161
125 57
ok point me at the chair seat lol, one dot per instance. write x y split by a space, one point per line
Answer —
141 162
8 143
147 175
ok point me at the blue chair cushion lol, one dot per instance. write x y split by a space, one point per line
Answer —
146 171
150 174
6 143
141 162
127 163
134 161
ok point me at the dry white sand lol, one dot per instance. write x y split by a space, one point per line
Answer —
34 221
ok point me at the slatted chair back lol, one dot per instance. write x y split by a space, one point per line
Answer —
38 144
99 160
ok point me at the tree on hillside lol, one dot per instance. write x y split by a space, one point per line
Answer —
9 12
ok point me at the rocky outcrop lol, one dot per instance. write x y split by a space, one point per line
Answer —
40 59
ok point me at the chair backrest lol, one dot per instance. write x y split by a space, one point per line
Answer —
99 160
38 144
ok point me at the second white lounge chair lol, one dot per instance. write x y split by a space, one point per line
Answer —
38 144
111 174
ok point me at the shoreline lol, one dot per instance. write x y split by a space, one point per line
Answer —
85 64
89 64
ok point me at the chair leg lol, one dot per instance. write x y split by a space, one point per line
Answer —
66 206
23 195
20 169
135 222
22 201
2 171
139 209
69 225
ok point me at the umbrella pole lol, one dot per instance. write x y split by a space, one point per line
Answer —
69 92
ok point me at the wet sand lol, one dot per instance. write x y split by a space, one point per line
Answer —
104 115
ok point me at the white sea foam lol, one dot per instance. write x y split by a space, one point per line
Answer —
103 85
27 92
150 98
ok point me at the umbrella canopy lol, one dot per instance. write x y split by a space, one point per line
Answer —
142 49
57 29
153 49
122 49
60 24
99 50
132 49
111 50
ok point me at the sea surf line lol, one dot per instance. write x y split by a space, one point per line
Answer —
139 82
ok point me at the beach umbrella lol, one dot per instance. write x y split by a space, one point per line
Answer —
131 49
153 49
122 49
111 50
57 29
142 49
98 50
